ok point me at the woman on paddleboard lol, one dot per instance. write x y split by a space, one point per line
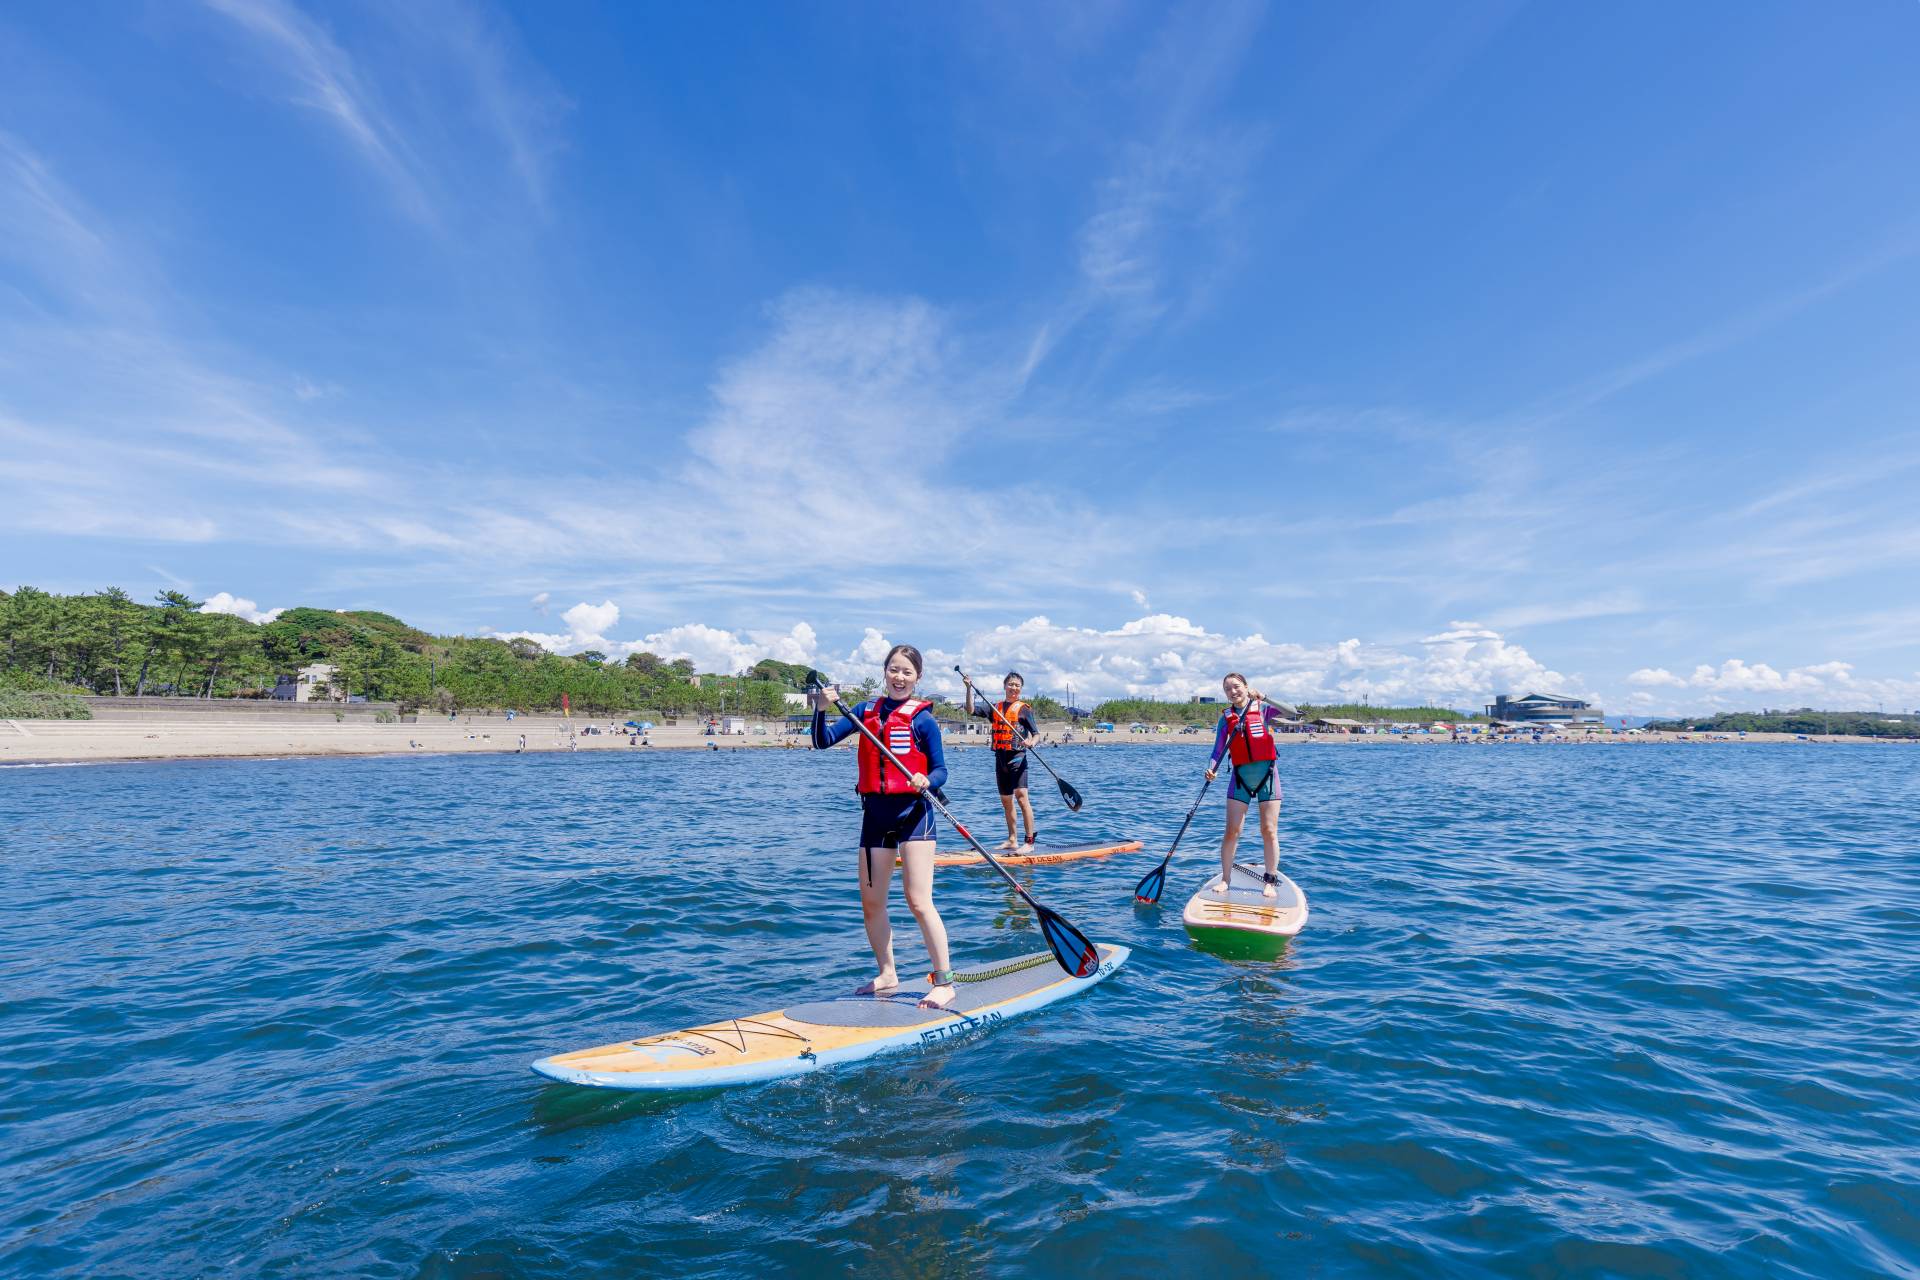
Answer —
1013 730
1246 733
895 814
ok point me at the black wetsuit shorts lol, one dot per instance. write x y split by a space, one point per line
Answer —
889 821
1010 771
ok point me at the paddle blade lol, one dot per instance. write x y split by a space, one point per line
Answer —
1068 794
1069 946
1148 890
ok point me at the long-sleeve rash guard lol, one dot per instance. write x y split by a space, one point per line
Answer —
983 710
926 735
1265 710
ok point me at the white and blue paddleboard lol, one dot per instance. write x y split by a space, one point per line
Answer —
827 1032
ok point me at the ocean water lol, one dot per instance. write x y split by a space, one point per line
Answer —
1560 1011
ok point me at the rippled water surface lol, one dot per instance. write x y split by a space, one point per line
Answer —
1559 1011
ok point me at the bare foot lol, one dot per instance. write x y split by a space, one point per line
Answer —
880 985
1271 888
1028 846
1008 845
940 997
1219 886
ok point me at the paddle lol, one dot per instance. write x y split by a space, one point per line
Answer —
1070 947
1148 890
1067 793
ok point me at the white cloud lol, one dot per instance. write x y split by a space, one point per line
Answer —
587 625
239 607
1166 656
1171 657
708 648
307 389
324 79
727 652
539 602
592 621
1739 685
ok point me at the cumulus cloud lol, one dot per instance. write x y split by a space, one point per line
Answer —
708 648
591 621
587 625
1167 656
726 652
239 607
1737 684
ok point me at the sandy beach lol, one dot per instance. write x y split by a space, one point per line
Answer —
176 735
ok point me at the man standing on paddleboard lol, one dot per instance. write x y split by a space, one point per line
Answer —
1245 730
1013 730
895 814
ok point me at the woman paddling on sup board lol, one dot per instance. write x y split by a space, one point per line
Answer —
1013 730
896 815
1245 732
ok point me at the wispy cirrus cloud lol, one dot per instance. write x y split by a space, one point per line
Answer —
1175 179
511 101
320 77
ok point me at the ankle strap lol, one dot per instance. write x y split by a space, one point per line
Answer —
941 977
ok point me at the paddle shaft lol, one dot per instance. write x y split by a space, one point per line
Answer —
1157 877
1013 731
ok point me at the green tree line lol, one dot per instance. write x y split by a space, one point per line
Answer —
54 646
1865 724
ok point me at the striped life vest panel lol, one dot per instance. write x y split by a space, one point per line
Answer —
877 774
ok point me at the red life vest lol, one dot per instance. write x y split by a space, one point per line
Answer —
1003 725
1248 736
877 774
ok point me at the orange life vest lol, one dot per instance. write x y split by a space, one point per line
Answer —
1004 725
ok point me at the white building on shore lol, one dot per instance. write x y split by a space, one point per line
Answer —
1543 708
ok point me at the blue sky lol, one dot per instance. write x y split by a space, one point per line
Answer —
1403 351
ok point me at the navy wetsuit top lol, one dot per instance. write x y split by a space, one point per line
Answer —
926 736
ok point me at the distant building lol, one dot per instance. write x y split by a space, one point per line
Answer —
733 724
299 688
1205 699
1543 708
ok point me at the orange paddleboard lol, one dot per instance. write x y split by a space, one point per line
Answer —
1040 857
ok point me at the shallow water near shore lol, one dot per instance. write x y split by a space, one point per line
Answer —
1559 1011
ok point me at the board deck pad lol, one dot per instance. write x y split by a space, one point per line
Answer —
1245 909
1042 854
828 1031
